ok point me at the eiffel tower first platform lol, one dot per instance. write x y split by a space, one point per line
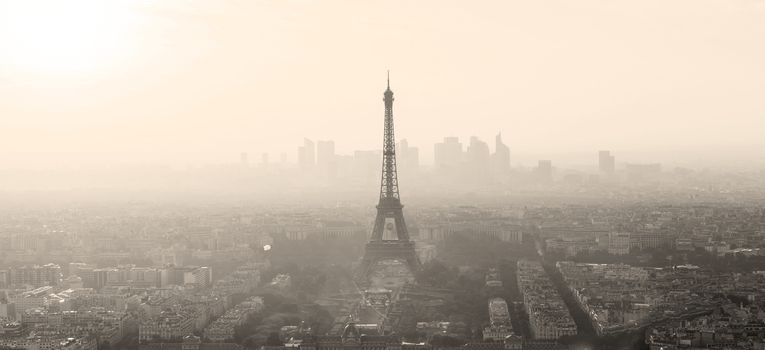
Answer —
390 238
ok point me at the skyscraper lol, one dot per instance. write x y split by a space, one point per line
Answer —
325 158
307 155
501 156
325 153
447 154
544 170
478 158
606 162
409 157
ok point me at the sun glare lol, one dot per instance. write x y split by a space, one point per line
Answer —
61 37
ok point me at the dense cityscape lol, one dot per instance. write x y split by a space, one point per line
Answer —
208 175
635 257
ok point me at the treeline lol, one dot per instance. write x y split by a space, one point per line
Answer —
312 281
262 328
467 250
467 311
661 257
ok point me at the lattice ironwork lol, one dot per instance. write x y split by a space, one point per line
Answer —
390 214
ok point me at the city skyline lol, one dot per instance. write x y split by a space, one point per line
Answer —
723 157
143 89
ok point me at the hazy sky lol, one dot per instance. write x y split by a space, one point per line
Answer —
142 77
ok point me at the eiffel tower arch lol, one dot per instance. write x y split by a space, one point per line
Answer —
390 238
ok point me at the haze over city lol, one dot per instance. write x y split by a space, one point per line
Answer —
382 175
196 82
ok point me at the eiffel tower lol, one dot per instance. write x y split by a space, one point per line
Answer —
390 238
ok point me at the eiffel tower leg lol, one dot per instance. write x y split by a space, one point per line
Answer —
377 232
401 231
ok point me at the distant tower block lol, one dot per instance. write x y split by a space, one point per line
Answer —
606 162
390 237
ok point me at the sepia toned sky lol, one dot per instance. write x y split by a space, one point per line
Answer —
200 78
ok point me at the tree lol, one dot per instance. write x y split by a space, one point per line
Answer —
273 339
105 345
438 341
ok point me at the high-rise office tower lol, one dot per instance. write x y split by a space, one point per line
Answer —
606 162
325 158
544 170
477 151
478 160
501 156
409 157
447 154
325 153
307 155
